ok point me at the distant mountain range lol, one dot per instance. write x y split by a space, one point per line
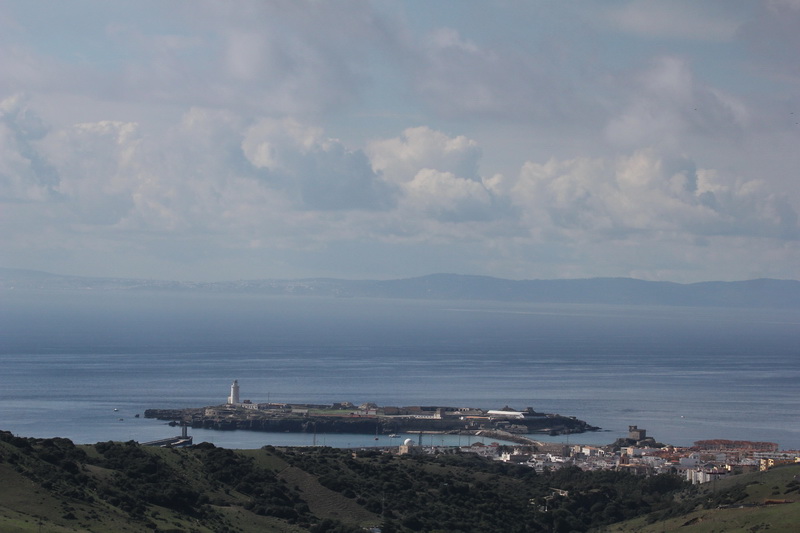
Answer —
624 291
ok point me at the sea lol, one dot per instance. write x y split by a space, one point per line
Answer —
83 364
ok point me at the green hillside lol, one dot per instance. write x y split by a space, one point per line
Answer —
54 486
758 501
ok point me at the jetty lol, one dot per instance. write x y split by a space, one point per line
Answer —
184 439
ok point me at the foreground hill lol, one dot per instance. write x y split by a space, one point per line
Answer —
750 502
52 485
620 291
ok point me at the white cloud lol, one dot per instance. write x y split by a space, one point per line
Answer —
649 195
227 183
196 129
444 196
401 158
438 175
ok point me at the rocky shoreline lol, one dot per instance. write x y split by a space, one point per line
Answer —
512 425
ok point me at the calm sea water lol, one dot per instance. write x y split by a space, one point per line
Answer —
81 365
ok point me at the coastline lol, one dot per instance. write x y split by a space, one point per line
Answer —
504 424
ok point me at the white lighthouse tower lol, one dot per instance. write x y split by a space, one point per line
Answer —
233 399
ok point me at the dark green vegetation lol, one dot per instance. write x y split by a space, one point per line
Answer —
759 501
52 485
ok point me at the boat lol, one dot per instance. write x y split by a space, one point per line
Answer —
394 436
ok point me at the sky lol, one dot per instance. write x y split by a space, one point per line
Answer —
194 140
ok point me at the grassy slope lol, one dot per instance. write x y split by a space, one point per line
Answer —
760 487
326 503
27 506
58 487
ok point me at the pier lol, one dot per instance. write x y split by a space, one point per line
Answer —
184 439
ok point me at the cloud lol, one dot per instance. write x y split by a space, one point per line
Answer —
24 175
214 177
773 39
458 78
448 198
219 181
438 174
300 58
269 57
644 196
561 141
320 173
400 158
667 102
675 20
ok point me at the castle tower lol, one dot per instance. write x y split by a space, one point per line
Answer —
636 434
233 399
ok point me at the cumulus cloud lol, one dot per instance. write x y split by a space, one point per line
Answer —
446 197
646 194
213 174
438 175
238 183
400 158
218 126
320 172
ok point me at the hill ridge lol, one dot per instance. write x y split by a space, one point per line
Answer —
759 292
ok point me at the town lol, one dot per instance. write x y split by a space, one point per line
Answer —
637 453
705 461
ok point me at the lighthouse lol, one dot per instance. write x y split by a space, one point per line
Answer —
233 399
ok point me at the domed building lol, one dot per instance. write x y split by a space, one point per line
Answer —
408 448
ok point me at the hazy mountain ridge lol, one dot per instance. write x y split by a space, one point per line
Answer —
625 291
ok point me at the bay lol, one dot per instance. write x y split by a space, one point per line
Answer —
69 359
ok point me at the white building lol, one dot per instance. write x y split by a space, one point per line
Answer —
233 399
506 414
704 475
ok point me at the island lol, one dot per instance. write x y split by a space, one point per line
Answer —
368 418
